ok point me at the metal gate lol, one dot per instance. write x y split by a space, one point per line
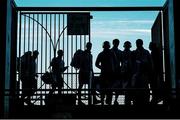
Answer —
47 33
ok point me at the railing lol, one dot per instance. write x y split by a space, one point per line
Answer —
87 95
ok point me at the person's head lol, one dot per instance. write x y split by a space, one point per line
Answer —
152 46
139 43
127 45
106 45
60 53
88 46
28 53
116 43
35 54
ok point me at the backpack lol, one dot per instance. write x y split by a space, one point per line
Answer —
76 59
22 61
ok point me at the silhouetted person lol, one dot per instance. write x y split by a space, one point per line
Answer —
117 83
105 62
58 68
126 71
156 81
85 70
28 75
24 76
34 69
142 66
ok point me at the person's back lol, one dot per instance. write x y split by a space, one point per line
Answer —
86 61
126 71
25 61
141 66
143 59
117 81
29 84
57 65
57 69
85 70
105 62
117 57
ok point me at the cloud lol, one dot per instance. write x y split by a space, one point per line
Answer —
126 21
104 33
105 29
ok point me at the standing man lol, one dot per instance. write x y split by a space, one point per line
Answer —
85 70
28 75
126 71
142 65
117 83
58 68
105 62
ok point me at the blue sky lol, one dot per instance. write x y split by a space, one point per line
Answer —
67 3
110 25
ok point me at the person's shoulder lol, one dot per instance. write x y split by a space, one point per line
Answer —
54 59
133 51
146 51
100 54
120 50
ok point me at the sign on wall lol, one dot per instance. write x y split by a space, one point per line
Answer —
78 24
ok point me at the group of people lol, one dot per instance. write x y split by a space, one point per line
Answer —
123 72
131 73
27 73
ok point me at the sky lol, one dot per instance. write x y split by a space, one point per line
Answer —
68 3
106 26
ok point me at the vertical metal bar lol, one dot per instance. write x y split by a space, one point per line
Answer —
59 30
46 53
84 41
19 49
55 29
24 33
76 70
33 35
90 82
71 67
84 49
41 53
163 44
50 41
28 32
67 60
37 42
63 44
80 41
54 35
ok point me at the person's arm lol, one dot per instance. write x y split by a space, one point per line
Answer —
63 68
98 62
51 63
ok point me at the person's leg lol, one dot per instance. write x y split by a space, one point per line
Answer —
109 98
94 87
127 98
79 93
